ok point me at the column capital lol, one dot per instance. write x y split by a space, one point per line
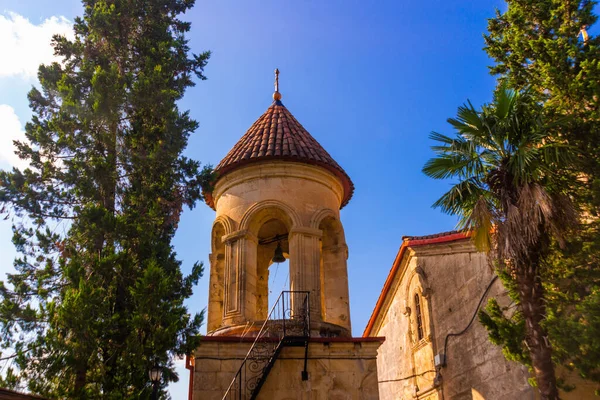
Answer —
241 234
304 230
336 248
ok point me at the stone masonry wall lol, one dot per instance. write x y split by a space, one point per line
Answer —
455 276
452 278
458 277
337 370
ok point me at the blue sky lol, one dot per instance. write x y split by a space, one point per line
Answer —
368 79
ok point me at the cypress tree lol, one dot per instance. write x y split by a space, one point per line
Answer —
97 296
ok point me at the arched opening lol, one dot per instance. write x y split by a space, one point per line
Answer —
418 317
216 290
272 278
421 348
279 280
335 306
418 300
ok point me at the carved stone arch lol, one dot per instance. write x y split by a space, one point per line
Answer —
423 281
222 226
259 213
333 256
222 223
422 288
328 222
420 324
227 223
320 215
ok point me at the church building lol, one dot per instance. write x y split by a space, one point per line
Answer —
435 347
277 198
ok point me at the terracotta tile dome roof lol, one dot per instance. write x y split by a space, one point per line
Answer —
277 135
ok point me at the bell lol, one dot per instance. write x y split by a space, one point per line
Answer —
278 257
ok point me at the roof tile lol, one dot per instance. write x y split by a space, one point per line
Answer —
278 135
435 235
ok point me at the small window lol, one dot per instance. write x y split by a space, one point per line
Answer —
419 316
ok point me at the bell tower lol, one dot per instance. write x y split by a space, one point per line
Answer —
277 185
278 194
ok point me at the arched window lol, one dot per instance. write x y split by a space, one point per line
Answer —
418 316
216 308
272 278
334 274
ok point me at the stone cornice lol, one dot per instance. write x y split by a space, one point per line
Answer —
236 347
244 233
278 169
304 230
462 246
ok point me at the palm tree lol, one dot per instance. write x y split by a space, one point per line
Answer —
508 192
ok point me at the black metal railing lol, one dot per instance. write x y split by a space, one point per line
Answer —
288 324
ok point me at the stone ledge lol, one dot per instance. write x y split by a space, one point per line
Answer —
248 339
278 169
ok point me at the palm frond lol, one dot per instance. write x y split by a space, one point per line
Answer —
505 160
461 198
457 157
559 155
457 145
504 101
452 165
438 137
481 222
523 165
468 120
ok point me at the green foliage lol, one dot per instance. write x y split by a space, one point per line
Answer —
98 294
509 193
573 287
536 44
506 332
502 156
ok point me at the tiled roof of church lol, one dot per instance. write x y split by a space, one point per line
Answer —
410 241
435 235
277 135
435 238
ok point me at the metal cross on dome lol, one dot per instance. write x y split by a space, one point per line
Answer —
276 95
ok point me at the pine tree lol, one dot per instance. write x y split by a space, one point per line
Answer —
97 296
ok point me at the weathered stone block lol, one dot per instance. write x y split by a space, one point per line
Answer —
354 377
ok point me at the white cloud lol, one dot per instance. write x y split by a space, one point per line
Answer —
10 130
24 46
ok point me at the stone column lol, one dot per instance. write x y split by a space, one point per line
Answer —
239 300
305 266
335 282
215 291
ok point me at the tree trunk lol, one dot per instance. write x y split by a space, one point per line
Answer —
80 380
534 309
117 336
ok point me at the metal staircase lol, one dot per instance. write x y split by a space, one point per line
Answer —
288 324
